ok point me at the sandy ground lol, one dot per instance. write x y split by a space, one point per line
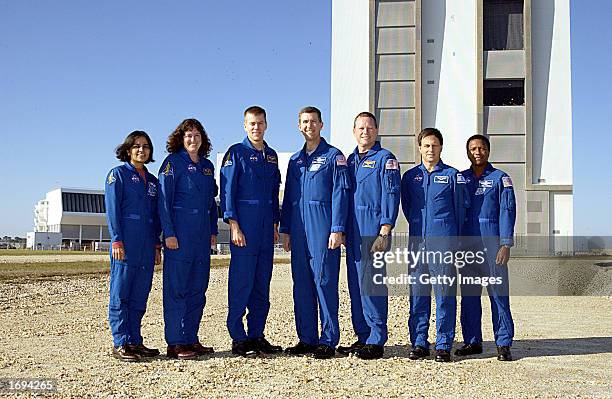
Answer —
58 329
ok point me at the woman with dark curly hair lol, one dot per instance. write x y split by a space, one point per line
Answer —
188 214
133 223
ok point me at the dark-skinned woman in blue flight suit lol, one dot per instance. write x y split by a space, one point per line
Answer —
188 214
133 223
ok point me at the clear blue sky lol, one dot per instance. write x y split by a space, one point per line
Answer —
77 76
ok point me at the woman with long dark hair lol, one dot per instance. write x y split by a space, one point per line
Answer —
188 213
133 222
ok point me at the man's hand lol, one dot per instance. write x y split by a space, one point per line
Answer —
381 243
213 240
118 253
276 237
157 256
171 243
238 238
286 242
335 240
503 255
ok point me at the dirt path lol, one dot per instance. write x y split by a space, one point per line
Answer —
58 329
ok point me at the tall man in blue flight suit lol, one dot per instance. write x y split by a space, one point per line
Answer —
434 202
373 208
490 220
313 220
250 181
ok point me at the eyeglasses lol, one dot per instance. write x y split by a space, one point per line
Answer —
143 147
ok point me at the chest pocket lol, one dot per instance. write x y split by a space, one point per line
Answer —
364 174
320 183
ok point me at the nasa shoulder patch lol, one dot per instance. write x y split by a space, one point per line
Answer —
111 178
507 181
168 170
228 160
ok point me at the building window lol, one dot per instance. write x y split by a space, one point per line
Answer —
503 25
504 92
81 202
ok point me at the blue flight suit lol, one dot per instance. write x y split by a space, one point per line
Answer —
434 204
131 212
250 181
188 211
374 200
315 204
490 219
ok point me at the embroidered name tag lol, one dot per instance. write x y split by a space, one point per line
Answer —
369 164
152 189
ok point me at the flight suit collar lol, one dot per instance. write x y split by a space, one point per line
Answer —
247 143
133 168
375 148
439 166
487 171
185 155
322 147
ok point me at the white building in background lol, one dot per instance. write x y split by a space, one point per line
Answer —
495 67
76 216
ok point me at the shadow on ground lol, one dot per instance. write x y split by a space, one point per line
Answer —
524 348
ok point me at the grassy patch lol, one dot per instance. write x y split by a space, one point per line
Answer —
22 252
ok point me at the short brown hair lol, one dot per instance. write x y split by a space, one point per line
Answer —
430 131
123 150
310 110
175 140
365 114
255 110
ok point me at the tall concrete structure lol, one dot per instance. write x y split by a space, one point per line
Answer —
495 67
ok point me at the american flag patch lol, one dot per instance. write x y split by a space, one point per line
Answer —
340 160
507 181
460 179
392 164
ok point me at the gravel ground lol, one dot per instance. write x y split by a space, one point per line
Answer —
58 329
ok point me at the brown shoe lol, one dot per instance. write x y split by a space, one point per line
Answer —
181 352
201 350
125 354
143 351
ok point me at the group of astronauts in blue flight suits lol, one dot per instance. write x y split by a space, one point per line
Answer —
328 201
